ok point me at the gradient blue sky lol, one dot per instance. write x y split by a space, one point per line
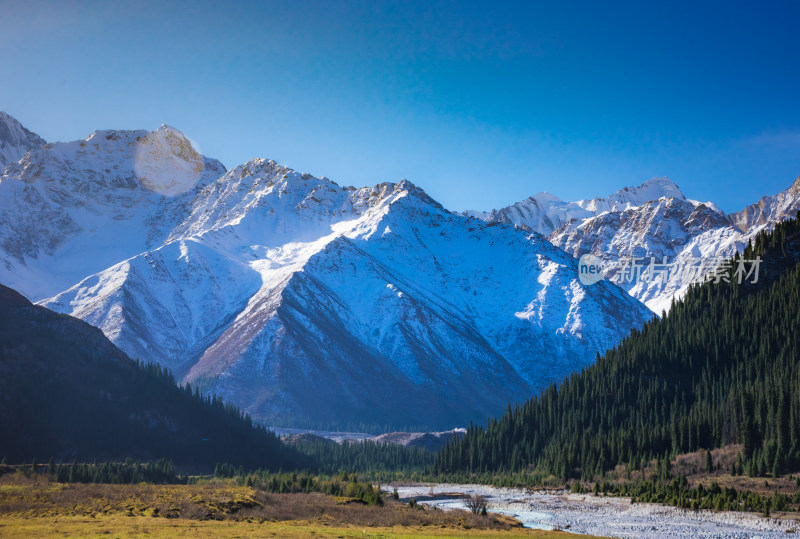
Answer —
480 103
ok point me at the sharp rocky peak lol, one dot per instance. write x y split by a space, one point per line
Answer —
15 140
263 173
628 197
794 189
384 190
658 185
769 210
268 169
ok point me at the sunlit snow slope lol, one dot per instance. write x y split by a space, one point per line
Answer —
295 298
653 220
15 140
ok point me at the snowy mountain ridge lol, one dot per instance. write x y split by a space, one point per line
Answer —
92 203
297 299
545 213
306 303
15 140
654 221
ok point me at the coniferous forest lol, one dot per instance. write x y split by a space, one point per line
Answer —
68 393
365 456
721 368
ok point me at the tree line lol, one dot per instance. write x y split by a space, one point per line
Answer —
722 367
343 484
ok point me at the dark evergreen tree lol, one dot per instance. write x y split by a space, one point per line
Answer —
722 367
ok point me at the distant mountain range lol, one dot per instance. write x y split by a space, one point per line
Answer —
307 303
652 220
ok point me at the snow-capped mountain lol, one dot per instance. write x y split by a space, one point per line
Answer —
652 222
660 229
542 213
545 213
291 296
306 302
370 304
15 140
68 210
769 210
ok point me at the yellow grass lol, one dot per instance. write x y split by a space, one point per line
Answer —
29 510
140 527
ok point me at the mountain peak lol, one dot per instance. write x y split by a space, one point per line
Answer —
633 197
770 209
795 187
662 181
414 192
166 162
163 161
169 128
652 189
544 196
15 140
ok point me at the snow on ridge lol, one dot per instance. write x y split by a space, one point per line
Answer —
80 206
682 230
15 140
281 291
653 219
545 213
166 162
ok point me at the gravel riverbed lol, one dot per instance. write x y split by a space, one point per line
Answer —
600 515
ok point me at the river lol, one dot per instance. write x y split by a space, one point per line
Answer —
600 515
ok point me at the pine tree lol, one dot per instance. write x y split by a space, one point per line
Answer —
722 367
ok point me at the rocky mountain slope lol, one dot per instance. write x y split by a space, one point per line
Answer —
546 213
769 210
432 441
68 210
297 299
15 140
652 222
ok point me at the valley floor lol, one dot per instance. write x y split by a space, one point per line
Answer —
221 510
161 527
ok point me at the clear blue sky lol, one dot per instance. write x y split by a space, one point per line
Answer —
480 103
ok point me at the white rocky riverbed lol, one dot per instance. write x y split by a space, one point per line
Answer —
600 515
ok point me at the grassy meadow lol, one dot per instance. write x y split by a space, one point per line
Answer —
34 507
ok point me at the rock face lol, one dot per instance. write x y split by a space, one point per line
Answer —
301 301
15 140
769 209
665 228
653 221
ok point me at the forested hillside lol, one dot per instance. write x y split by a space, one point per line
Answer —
67 392
365 456
723 367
